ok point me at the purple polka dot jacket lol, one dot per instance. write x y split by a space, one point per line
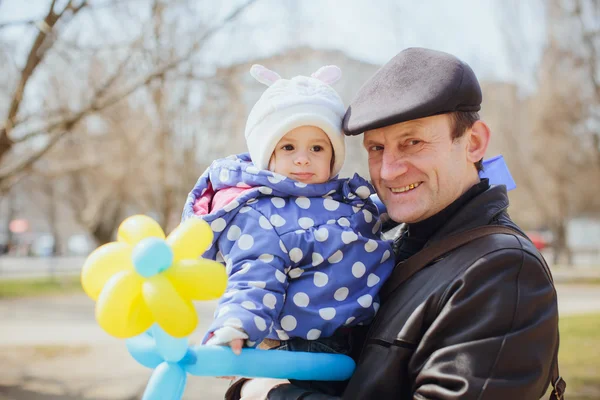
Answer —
302 259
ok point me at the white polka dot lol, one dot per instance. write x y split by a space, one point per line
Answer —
276 178
261 324
252 170
299 231
355 209
232 205
306 222
257 284
224 175
234 233
265 190
385 256
349 237
368 216
282 335
301 299
320 279
296 255
248 305
233 322
370 246
264 223
222 311
331 222
218 225
277 220
278 202
351 196
341 294
372 280
282 246
327 313
252 201
358 269
269 300
365 301
245 268
376 227
228 267
295 273
245 242
242 185
321 234
336 257
219 257
313 334
363 192
376 306
280 276
289 323
343 222
331 205
300 184
245 209
250 343
303 202
266 257
317 259
230 293
349 321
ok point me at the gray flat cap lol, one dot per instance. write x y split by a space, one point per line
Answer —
416 83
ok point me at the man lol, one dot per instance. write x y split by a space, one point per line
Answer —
481 322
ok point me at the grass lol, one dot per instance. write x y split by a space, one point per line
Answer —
39 286
579 356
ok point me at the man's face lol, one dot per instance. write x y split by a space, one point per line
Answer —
416 167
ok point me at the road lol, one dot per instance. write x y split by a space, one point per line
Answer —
51 348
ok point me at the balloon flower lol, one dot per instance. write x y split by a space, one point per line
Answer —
144 284
143 278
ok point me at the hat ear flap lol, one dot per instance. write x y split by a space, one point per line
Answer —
264 75
328 74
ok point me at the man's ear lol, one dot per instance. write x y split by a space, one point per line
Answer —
479 140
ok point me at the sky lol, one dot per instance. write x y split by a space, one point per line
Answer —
369 30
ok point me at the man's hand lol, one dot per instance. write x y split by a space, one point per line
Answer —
258 389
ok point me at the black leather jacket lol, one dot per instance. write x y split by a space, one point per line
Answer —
481 323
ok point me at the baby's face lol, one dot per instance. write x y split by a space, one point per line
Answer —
303 154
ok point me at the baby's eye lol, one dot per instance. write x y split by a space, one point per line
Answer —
317 148
287 147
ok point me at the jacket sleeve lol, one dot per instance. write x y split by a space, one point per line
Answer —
257 282
495 334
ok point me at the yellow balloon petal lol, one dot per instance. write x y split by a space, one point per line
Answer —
103 263
198 279
138 227
190 239
120 309
174 314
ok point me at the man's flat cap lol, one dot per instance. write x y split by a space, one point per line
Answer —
416 83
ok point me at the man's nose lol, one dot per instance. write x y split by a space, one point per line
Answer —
393 165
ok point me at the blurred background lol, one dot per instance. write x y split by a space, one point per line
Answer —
110 108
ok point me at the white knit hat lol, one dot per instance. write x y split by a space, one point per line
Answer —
291 103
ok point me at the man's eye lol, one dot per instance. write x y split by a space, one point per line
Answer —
375 148
287 147
413 142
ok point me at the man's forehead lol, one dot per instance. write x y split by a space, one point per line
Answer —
427 125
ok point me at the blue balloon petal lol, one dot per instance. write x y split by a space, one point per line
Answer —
221 361
166 383
151 256
496 170
170 348
143 349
